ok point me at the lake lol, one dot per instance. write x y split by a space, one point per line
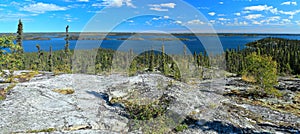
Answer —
147 42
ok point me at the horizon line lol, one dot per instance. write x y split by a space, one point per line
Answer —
272 33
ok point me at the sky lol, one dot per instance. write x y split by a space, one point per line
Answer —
203 16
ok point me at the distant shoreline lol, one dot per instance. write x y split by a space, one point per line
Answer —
138 33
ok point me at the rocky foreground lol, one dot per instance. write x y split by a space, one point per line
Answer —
78 103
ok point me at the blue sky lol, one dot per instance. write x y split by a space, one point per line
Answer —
234 16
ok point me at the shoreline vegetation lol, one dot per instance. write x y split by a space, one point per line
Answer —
137 36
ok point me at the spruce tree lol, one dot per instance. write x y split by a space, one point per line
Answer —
151 64
133 68
20 35
67 41
50 60
164 64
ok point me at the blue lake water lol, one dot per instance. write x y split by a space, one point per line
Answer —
193 43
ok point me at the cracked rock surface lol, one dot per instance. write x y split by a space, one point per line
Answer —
34 106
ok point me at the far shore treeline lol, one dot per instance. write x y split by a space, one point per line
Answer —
282 51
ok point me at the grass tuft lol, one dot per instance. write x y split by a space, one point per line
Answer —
64 91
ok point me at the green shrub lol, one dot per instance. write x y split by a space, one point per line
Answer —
144 111
262 71
181 127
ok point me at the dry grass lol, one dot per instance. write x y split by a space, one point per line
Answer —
249 79
64 91
26 76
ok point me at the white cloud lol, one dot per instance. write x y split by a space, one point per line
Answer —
223 19
158 9
273 10
42 8
155 18
238 23
3 5
221 3
291 13
294 3
274 18
114 3
83 0
256 22
258 8
289 3
243 23
178 22
253 16
15 3
195 22
98 4
162 7
237 14
130 21
69 18
246 12
169 5
212 13
162 17
286 20
271 19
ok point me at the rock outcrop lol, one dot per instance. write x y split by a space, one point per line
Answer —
34 106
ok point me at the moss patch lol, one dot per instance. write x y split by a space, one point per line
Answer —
2 97
43 130
64 91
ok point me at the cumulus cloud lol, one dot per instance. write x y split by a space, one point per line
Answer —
286 21
253 16
83 0
42 8
178 22
212 13
223 19
289 3
256 22
238 23
114 3
237 14
271 19
274 18
69 18
162 17
195 22
291 13
162 7
258 8
273 10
